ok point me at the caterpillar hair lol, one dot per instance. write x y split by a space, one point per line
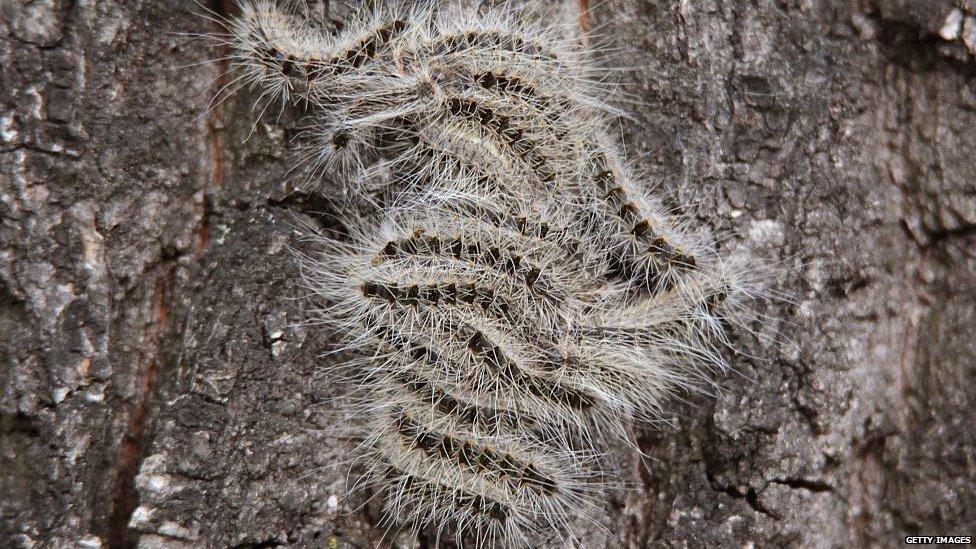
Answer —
509 294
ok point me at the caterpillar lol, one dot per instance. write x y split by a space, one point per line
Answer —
515 297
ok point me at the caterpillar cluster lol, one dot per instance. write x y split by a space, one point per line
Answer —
518 297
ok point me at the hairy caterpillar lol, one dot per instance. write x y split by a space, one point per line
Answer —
516 296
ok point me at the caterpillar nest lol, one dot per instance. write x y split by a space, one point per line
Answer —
518 297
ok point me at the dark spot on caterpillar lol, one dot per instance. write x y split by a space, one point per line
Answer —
419 353
353 57
340 139
378 291
480 346
512 264
316 70
269 54
640 228
456 247
450 293
411 295
430 294
628 213
288 67
492 255
274 58
486 79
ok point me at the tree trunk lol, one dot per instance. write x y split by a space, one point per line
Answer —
156 389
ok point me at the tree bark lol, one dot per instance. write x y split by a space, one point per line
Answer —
158 389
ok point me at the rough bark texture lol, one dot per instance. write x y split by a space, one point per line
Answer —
156 390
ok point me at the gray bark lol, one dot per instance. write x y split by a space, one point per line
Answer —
156 389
